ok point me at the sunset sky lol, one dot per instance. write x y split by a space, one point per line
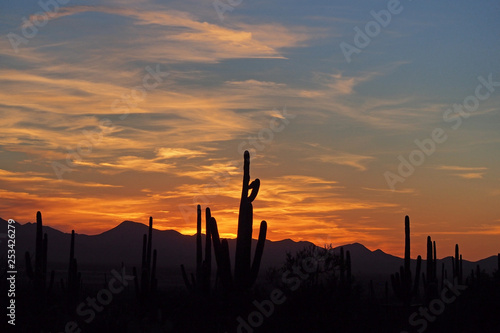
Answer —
121 110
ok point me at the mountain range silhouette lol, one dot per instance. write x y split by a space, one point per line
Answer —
123 244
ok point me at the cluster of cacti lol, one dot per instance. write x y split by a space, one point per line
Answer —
39 274
72 288
245 272
404 287
430 277
148 282
202 281
457 267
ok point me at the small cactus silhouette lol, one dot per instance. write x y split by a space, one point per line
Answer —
202 282
430 278
457 266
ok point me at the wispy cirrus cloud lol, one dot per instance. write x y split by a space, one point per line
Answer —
39 177
385 190
211 41
167 153
342 158
464 172
460 168
470 175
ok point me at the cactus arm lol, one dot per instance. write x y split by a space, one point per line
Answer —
255 185
259 250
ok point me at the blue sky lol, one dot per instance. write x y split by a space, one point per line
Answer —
158 143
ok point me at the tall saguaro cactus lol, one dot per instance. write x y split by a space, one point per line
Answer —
39 274
245 223
402 284
245 272
148 281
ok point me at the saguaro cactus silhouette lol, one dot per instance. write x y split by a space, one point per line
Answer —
430 278
203 267
148 281
39 274
402 284
72 288
457 266
245 272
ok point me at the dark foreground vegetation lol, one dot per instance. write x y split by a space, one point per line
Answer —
314 290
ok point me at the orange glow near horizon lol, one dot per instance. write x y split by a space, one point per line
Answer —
330 225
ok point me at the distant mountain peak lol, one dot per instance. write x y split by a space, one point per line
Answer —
130 223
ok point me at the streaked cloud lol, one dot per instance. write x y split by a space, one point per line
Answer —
460 168
341 158
470 175
465 172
